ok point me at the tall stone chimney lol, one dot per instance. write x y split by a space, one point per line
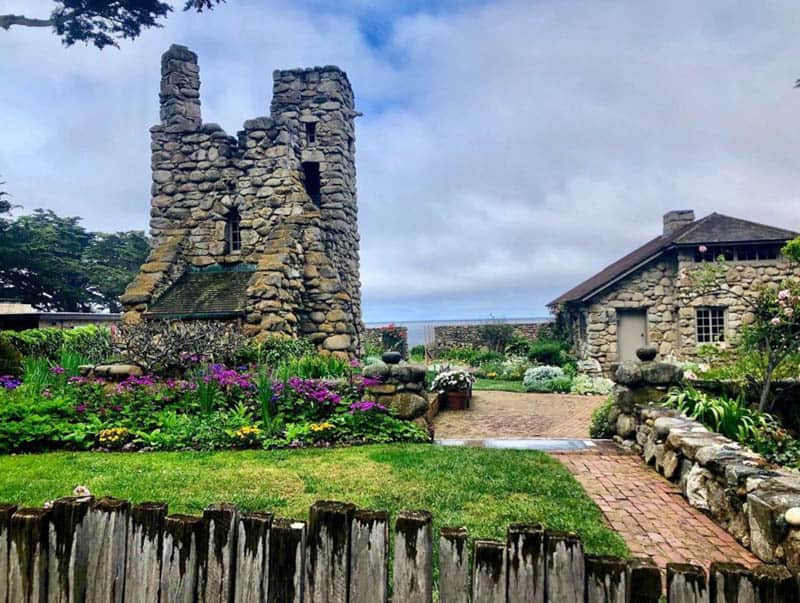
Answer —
677 218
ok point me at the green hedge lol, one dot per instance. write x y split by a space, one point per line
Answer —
91 341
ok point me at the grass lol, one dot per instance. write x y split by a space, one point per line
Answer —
498 385
484 490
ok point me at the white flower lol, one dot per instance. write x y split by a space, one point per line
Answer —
81 491
775 321
48 504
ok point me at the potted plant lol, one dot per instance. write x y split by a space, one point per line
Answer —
454 387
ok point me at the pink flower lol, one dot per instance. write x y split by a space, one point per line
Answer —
775 321
784 294
702 249
691 376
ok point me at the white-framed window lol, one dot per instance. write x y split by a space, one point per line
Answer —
710 325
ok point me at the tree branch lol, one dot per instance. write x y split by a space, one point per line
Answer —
6 21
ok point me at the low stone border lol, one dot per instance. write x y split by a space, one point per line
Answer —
735 486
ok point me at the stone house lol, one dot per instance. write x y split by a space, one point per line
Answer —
645 299
261 228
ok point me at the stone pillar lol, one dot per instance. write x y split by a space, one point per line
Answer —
180 90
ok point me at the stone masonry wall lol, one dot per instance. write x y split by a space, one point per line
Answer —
670 303
732 484
303 251
463 336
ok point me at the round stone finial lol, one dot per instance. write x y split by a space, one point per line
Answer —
792 517
646 353
392 357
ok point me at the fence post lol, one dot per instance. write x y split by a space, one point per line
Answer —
68 553
413 557
328 548
686 583
219 547
773 583
180 558
526 563
369 557
145 542
252 550
606 580
108 528
27 575
6 511
489 577
644 581
453 566
729 583
565 568
287 544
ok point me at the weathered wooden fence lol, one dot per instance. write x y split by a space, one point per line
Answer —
109 551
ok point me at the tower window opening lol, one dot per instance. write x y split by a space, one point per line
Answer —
311 131
312 181
233 232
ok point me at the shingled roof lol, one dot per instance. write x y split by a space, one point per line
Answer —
208 294
714 229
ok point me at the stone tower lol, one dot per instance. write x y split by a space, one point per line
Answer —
260 229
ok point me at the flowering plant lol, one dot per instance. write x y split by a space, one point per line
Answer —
455 380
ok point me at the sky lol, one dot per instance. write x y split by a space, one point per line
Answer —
507 150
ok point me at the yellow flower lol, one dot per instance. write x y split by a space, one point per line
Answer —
246 433
321 426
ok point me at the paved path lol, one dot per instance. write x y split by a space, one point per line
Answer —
650 513
511 415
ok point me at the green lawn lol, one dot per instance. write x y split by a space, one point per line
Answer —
484 490
498 385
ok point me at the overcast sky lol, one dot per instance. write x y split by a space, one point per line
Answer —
507 151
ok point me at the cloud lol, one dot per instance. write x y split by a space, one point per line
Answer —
507 151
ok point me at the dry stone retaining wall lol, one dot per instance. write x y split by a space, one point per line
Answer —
470 336
84 549
735 486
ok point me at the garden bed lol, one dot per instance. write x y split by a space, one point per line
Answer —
483 490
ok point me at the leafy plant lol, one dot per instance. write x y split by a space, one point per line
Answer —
600 426
584 385
10 359
546 379
497 335
274 350
549 352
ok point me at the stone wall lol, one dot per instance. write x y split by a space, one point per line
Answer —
375 337
469 336
302 246
735 486
401 389
670 303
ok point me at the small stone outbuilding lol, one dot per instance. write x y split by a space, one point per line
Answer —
643 298
260 228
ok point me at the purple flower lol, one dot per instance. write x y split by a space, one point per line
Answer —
354 362
80 408
57 370
366 406
9 382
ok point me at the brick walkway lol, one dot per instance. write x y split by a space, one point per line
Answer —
650 513
511 415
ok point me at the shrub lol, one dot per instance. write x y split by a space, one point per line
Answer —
547 379
91 342
549 352
418 351
273 350
583 385
600 426
496 335
165 346
513 368
472 356
10 359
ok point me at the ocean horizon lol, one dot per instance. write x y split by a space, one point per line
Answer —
421 331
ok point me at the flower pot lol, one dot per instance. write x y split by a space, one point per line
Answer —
457 400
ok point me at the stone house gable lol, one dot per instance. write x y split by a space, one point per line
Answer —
642 298
260 228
